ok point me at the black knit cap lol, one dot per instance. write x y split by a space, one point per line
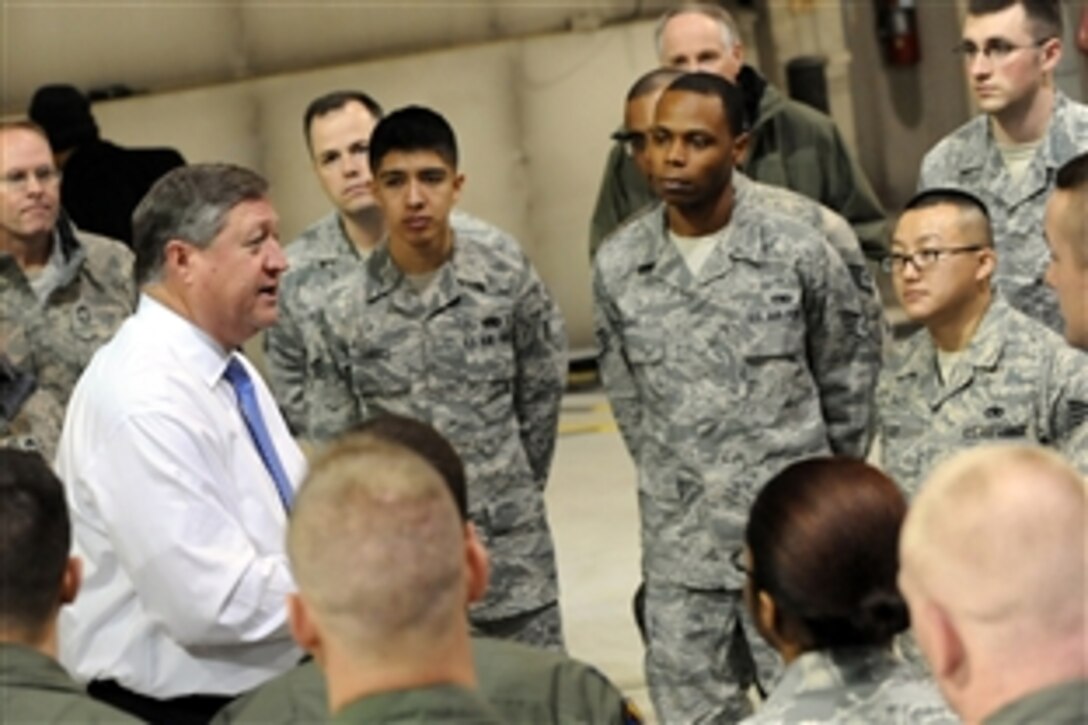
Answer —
65 114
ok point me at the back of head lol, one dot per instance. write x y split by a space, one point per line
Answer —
997 540
710 84
334 101
377 548
190 203
730 29
1045 16
427 443
65 114
35 539
823 538
411 129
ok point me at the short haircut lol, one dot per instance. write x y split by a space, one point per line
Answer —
190 203
962 199
413 128
35 540
729 28
335 101
655 80
376 545
428 444
823 536
710 84
1045 16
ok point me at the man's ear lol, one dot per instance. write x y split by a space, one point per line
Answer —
987 264
71 580
947 654
478 567
1052 54
740 150
178 257
303 628
458 184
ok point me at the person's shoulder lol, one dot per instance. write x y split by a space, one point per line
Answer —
295 696
321 240
514 676
951 149
481 237
629 246
104 249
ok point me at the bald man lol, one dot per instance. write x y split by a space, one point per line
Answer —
979 370
385 617
993 567
1067 237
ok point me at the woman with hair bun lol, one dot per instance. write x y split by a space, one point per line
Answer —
821 559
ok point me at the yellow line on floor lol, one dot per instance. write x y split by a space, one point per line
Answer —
566 429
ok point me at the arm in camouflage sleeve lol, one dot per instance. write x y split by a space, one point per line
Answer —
843 355
332 408
612 366
1067 405
285 355
540 348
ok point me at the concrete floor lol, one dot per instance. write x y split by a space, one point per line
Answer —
593 510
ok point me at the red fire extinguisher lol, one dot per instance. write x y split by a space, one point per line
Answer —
897 28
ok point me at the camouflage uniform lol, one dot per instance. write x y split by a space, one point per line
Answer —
717 382
525 685
830 225
969 158
299 366
480 355
36 689
792 146
54 339
296 360
853 686
1016 380
451 704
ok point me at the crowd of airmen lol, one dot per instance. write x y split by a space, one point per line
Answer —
739 329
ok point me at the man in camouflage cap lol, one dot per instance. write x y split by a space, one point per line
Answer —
452 325
63 292
732 342
1007 156
980 370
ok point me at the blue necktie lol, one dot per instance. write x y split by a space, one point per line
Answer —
239 379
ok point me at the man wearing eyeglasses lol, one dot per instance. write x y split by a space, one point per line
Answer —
980 370
63 293
1008 155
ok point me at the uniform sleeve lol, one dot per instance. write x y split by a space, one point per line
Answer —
1067 403
843 355
192 562
613 367
285 357
540 342
332 407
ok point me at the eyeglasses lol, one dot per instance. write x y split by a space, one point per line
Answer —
19 180
923 259
995 49
737 559
634 142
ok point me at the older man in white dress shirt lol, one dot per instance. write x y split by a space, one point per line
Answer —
179 469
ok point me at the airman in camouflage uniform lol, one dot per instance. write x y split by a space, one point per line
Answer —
1022 107
1016 380
476 347
717 379
853 686
51 322
992 373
